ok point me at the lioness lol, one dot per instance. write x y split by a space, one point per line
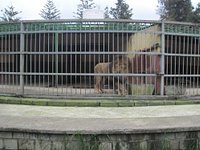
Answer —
118 66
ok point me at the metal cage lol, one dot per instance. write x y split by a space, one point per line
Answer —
99 58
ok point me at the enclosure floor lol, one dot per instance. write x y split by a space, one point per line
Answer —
77 91
55 91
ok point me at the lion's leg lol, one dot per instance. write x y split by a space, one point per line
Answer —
116 85
122 89
102 84
125 86
98 84
113 84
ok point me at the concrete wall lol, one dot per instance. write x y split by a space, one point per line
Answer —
144 63
184 140
144 39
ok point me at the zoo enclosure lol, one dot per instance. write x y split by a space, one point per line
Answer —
42 58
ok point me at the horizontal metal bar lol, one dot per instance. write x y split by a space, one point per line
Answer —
76 31
182 55
91 20
181 23
181 75
80 53
10 53
100 74
182 34
98 31
9 33
77 74
83 31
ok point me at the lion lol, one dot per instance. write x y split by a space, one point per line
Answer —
118 66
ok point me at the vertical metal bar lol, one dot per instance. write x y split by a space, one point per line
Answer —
113 56
61 63
190 63
90 63
10 62
44 60
132 64
67 60
104 57
167 59
187 61
48 62
70 61
179 62
108 49
13 60
162 60
80 61
39 61
123 50
128 66
198 60
31 58
144 66
85 62
56 63
1 62
22 59
174 59
35 60
118 69
5 66
76 63
137 62
94 59
194 69
53 63
171 59
26 59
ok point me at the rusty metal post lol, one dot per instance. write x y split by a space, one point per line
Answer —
22 59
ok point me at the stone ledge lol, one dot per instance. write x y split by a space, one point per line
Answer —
109 126
95 103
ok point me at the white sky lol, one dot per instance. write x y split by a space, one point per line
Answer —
142 9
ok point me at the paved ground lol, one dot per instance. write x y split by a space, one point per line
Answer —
99 119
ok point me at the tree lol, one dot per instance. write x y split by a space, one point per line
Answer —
121 11
175 10
9 14
106 13
196 14
50 12
85 4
